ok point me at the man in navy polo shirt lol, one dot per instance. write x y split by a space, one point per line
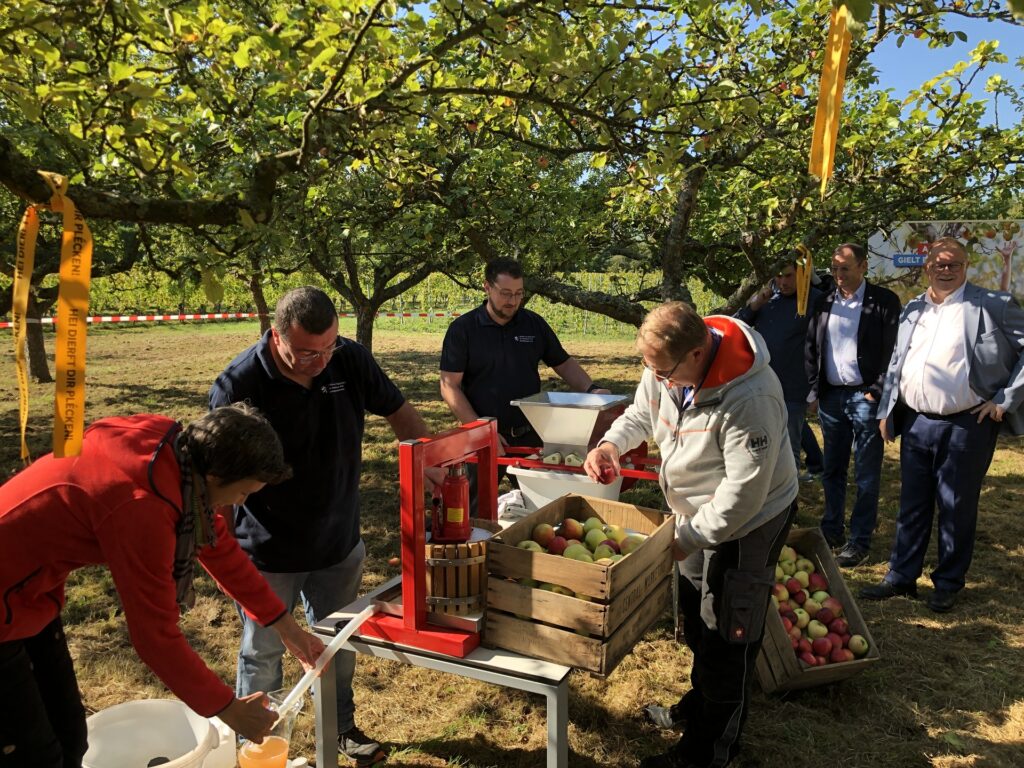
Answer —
315 388
490 356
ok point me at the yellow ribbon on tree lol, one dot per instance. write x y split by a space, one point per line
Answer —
72 316
804 270
830 97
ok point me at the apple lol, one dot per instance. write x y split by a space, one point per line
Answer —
816 629
586 598
604 552
526 581
792 604
630 543
605 561
788 566
794 642
793 586
795 633
616 532
833 605
817 582
846 640
557 545
788 553
594 537
779 592
820 661
812 607
574 549
612 544
805 565
801 576
808 659
825 616
593 523
802 618
788 613
834 639
543 533
820 595
530 545
858 645
804 645
821 646
839 655
786 624
839 626
616 558
799 597
572 529
780 575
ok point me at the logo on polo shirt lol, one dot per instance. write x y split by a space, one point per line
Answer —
525 339
333 386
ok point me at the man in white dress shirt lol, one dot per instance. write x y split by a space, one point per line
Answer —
956 377
849 342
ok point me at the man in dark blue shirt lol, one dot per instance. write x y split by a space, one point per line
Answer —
315 388
772 312
490 356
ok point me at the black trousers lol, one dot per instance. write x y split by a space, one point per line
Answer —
530 439
724 595
42 720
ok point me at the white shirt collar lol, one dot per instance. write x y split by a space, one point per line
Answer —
953 298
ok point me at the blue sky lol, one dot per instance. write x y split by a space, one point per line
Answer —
903 69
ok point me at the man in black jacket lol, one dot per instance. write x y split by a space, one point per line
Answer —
849 342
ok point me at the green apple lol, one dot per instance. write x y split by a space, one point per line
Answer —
603 551
574 549
592 523
788 553
530 545
858 645
788 567
630 543
801 576
803 564
616 532
594 537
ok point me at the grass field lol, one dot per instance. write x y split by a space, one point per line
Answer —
948 691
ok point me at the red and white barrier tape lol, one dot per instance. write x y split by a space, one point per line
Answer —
209 316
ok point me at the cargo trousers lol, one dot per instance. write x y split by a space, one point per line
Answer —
724 593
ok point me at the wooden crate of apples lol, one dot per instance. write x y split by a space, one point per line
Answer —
814 632
579 581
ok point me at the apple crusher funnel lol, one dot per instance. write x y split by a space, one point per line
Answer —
565 422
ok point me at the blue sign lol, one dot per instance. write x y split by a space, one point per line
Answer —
909 259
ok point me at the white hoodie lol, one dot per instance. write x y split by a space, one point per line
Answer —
726 464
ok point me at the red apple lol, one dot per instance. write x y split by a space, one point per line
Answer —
825 616
557 545
543 533
793 586
788 613
794 642
804 645
808 659
799 597
821 646
833 605
780 592
786 624
839 626
839 655
613 544
834 639
817 582
821 661
571 529
846 640
795 634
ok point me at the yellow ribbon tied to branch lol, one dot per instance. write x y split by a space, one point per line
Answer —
830 98
804 270
72 316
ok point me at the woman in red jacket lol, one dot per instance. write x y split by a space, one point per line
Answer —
140 499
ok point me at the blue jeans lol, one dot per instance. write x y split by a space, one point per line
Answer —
943 461
848 421
322 592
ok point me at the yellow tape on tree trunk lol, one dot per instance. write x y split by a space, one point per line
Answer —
830 98
23 265
72 314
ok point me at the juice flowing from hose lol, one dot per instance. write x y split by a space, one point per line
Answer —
272 753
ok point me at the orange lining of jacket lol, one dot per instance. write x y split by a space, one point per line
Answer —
734 358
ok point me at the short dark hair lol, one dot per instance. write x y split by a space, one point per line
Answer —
307 307
502 266
236 442
787 263
860 253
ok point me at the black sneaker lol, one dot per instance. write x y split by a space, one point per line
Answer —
356 745
851 556
885 590
663 717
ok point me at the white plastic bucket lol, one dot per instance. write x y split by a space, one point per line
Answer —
142 733
540 486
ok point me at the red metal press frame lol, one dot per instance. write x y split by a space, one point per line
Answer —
479 439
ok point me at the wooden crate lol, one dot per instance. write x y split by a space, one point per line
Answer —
625 598
778 668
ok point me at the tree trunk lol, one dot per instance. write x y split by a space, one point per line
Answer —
38 367
365 315
260 300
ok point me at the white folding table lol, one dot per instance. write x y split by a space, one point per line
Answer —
494 666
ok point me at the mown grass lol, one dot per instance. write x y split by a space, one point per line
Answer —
948 691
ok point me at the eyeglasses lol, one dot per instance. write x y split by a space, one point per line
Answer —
952 267
508 295
310 355
661 375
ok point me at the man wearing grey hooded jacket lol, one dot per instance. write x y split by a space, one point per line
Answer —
717 412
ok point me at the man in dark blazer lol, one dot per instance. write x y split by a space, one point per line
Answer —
957 375
849 342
